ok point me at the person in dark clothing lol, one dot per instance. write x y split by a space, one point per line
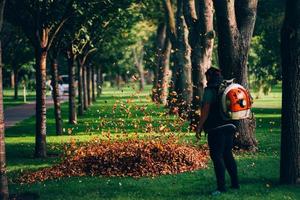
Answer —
220 132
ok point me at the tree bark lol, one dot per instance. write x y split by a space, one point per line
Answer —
72 86
12 79
40 139
160 40
99 81
201 39
84 87
16 77
93 84
180 93
142 77
235 22
184 82
3 177
138 58
80 87
88 74
56 95
161 82
290 119
164 73
41 35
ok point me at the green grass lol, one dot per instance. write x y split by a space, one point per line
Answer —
259 172
8 97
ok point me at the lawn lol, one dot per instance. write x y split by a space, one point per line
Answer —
125 111
8 97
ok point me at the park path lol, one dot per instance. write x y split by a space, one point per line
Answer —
16 114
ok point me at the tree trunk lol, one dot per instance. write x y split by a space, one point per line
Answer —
164 73
172 100
235 22
72 86
80 87
40 139
99 81
56 95
184 82
290 119
160 41
15 71
12 79
201 38
162 77
172 35
24 92
142 77
3 177
84 87
180 92
93 84
139 57
88 74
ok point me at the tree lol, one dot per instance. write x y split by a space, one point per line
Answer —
123 28
83 78
99 81
290 120
181 84
201 39
75 39
3 177
41 21
235 24
162 72
138 55
93 84
88 86
71 57
55 90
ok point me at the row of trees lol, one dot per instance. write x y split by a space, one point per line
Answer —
187 38
69 29
116 37
53 31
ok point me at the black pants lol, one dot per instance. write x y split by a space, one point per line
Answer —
220 142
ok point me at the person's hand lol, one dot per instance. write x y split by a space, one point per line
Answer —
198 132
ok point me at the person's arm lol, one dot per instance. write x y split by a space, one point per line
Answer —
204 114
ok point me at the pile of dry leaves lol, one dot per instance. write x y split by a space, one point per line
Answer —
134 158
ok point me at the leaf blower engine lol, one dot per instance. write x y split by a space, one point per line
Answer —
235 101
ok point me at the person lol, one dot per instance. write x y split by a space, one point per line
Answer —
219 132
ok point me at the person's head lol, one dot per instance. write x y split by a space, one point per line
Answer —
212 72
213 76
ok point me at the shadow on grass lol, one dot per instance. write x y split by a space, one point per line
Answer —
25 196
22 154
266 111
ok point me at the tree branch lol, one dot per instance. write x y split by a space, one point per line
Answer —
86 55
58 28
171 25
